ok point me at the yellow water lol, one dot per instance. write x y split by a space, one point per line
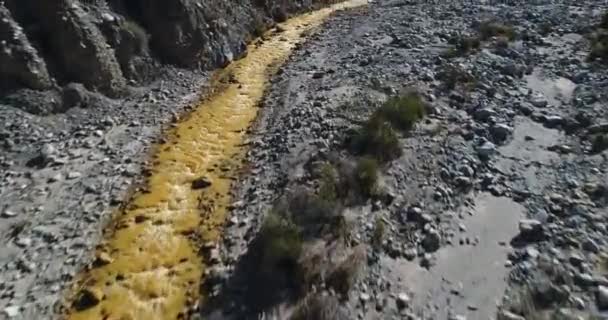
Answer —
156 269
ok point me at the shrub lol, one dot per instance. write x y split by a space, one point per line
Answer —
378 233
328 188
465 45
345 274
403 111
491 29
139 35
452 76
599 143
280 243
604 22
378 139
367 176
317 307
545 28
258 25
599 45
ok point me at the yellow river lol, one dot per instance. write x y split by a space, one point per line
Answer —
153 269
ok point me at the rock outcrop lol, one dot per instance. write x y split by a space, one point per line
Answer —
103 44
19 60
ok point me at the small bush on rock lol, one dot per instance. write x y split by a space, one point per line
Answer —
489 29
464 46
377 139
599 45
403 111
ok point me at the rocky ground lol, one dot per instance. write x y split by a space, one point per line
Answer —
497 206
64 175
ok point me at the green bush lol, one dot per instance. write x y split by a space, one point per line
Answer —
403 111
599 45
489 29
367 176
280 243
377 139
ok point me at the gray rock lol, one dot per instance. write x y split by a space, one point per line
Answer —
527 226
539 101
486 150
11 311
590 245
364 297
75 95
403 300
484 114
599 128
507 315
501 132
602 297
553 121
431 241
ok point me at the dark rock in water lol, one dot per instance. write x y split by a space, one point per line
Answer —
88 298
201 183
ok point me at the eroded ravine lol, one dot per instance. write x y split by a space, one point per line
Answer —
152 264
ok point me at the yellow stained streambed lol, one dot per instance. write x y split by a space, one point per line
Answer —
155 268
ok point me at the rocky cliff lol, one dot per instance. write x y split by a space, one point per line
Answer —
107 45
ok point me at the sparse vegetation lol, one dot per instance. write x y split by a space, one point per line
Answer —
454 76
366 175
317 307
490 29
378 139
280 243
599 45
463 46
403 111
328 180
599 41
137 33
344 276
545 29
599 143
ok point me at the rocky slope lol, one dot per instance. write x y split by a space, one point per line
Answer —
108 45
